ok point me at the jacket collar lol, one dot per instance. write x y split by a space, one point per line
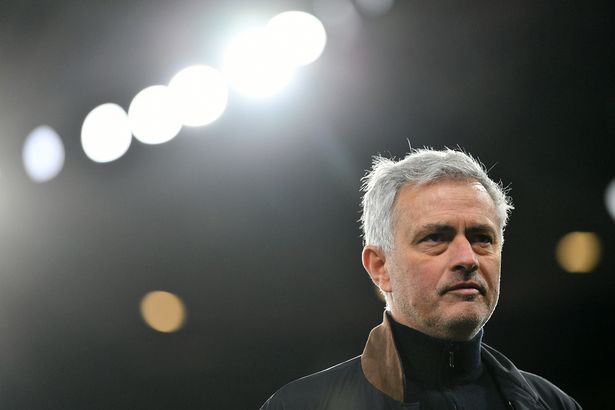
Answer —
380 361
382 367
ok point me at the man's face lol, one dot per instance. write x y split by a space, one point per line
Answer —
445 266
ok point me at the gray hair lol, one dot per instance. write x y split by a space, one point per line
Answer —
421 166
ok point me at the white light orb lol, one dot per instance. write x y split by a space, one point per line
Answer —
255 66
43 154
341 18
301 37
609 198
105 134
152 115
200 94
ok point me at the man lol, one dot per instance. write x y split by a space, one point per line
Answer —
433 227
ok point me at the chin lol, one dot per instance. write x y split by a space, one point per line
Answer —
465 326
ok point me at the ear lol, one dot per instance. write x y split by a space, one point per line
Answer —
374 262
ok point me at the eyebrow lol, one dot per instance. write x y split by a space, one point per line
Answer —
480 229
440 228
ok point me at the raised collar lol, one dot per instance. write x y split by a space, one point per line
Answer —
437 362
383 369
381 363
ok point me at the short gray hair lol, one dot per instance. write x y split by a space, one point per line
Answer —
421 166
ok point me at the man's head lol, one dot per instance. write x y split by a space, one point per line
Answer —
433 230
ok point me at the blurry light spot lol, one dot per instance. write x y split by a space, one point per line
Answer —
255 65
374 7
579 252
153 117
200 93
609 198
341 19
105 134
43 154
301 37
379 294
163 311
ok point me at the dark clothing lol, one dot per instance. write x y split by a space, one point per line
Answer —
444 374
385 377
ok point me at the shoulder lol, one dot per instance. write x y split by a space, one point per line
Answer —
320 389
340 374
511 379
549 392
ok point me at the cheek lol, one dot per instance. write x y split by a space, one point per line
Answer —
492 274
418 281
417 275
403 280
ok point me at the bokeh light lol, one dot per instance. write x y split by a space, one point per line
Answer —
379 294
255 65
105 134
153 116
374 7
300 36
200 94
163 311
43 154
579 252
609 198
341 19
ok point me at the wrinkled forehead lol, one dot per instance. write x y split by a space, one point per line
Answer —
449 198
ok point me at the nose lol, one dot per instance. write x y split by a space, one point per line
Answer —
463 259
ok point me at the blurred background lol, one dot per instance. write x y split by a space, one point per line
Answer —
154 259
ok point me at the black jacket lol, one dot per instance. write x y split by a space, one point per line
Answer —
375 381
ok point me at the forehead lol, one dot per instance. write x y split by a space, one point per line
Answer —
445 201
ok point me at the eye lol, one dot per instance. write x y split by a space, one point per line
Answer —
433 237
482 239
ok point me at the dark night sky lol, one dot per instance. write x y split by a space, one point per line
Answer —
252 220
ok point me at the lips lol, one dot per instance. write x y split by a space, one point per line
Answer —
466 285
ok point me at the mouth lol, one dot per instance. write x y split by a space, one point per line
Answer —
466 288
